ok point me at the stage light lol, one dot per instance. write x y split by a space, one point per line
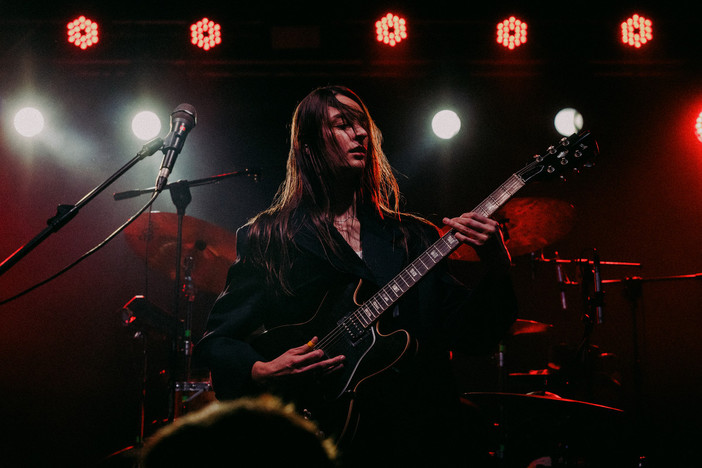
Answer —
206 34
698 127
29 122
83 32
511 33
391 29
446 124
568 121
637 31
146 125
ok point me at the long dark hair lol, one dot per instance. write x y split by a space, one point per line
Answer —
305 196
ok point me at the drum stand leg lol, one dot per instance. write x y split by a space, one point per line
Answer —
501 369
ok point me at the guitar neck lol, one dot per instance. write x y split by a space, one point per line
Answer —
442 248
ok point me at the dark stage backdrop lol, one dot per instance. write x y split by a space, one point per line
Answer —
71 373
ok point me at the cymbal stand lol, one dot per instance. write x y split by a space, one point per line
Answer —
181 196
633 291
189 291
593 300
592 294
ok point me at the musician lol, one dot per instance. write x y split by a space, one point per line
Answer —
336 219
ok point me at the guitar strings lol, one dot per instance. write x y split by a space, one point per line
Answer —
337 332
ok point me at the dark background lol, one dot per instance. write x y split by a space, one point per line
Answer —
71 373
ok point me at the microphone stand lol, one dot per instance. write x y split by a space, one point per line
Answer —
66 213
255 173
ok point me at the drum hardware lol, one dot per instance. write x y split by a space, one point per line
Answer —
194 254
519 327
590 274
146 321
592 290
523 327
633 289
191 396
141 315
526 428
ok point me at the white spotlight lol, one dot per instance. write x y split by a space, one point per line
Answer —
446 124
146 125
29 122
568 121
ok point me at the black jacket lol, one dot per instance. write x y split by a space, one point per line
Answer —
438 312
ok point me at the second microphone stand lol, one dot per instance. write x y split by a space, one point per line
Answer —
181 196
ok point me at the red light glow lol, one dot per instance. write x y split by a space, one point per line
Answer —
637 31
391 29
206 34
698 127
511 33
83 32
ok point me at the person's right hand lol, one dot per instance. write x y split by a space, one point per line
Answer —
302 359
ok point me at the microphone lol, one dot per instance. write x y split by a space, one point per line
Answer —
183 119
561 283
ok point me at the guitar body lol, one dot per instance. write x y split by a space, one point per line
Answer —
329 398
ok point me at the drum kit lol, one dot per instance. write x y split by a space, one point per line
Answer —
207 250
550 416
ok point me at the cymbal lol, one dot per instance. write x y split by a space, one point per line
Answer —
528 224
524 327
213 249
534 401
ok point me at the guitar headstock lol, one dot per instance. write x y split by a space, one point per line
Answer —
570 153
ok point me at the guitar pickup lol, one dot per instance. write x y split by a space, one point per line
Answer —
353 327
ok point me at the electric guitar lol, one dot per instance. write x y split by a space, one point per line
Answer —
356 334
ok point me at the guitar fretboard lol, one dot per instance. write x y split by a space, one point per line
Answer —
381 301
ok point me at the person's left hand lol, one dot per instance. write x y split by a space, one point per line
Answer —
483 234
473 228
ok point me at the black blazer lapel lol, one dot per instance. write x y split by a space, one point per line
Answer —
346 261
380 252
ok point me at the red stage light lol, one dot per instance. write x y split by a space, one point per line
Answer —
637 31
698 127
206 34
511 33
391 29
83 32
